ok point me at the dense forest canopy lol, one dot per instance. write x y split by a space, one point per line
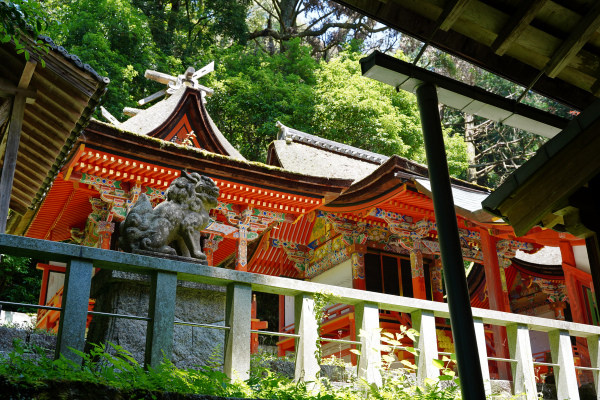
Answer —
294 61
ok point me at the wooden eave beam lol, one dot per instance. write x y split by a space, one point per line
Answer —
451 13
516 25
576 40
535 198
411 22
9 88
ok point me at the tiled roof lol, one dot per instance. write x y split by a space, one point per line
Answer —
286 133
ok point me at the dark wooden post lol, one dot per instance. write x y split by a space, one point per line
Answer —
12 142
461 316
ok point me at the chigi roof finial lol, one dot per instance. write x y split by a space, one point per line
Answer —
188 78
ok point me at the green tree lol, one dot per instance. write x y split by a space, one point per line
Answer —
254 90
19 282
19 18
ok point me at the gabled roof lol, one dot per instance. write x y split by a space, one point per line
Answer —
290 134
68 92
175 117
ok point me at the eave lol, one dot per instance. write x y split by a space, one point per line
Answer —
67 93
544 190
210 164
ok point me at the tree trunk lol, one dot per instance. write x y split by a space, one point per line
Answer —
287 23
471 151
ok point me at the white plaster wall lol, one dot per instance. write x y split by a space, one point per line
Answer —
56 280
340 275
539 341
581 258
289 310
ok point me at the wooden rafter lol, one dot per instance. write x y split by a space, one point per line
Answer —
516 25
576 40
451 12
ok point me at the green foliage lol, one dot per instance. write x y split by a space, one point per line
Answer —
113 366
19 18
364 113
19 282
254 90
113 37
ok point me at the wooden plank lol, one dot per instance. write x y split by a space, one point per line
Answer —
451 12
27 74
516 25
537 196
9 88
10 157
152 97
470 39
159 77
576 40
4 113
109 116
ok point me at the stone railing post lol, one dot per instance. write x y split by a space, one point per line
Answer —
481 347
562 354
307 367
367 324
161 311
593 343
426 345
522 371
73 317
237 340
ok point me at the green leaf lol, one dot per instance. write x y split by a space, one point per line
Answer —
445 378
355 351
438 363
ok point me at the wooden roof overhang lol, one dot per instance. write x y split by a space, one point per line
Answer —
106 155
67 93
552 46
557 187
239 174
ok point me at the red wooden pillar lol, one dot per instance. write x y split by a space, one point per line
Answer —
437 286
417 272
573 292
105 231
211 244
498 298
358 266
241 259
255 324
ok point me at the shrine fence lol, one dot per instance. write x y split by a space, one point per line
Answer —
165 273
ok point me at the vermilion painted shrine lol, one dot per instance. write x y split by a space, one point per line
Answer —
318 210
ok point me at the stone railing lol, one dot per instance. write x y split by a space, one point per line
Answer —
165 273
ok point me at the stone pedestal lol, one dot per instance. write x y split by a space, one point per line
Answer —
127 293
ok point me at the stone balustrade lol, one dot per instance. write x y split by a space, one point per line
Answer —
165 273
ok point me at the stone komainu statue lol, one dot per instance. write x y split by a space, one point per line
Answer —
176 221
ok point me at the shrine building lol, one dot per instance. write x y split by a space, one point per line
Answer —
318 210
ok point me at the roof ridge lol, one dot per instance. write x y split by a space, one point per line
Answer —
287 133
74 59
